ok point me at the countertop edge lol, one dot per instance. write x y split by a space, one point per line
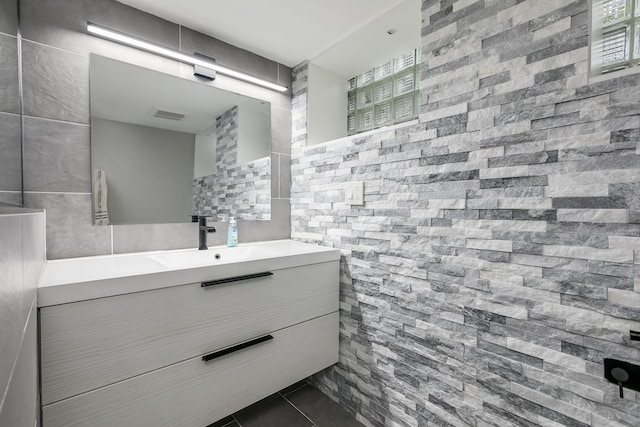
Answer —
65 293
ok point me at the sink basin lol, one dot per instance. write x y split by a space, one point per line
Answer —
215 255
70 270
78 279
188 258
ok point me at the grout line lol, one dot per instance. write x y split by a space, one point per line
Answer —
56 192
296 408
9 113
294 390
68 122
279 175
21 99
235 419
8 35
74 52
5 392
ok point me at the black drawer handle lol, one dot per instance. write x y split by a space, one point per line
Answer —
235 348
236 279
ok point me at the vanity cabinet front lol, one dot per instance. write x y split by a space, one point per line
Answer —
186 355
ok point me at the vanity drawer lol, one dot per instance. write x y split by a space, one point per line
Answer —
90 344
197 393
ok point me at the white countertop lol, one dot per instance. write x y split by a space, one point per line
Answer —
78 279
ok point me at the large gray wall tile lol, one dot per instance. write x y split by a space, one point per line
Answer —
229 55
284 101
10 145
10 153
285 176
21 402
21 261
135 238
70 232
285 79
11 197
9 16
278 228
275 175
280 130
9 94
33 255
56 83
285 76
153 237
63 23
57 156
11 297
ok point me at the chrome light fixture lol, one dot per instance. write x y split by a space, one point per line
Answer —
174 54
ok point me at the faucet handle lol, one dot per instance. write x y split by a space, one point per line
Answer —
196 218
202 222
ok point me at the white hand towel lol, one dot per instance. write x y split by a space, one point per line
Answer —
100 212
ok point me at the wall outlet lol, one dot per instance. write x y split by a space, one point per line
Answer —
253 198
354 193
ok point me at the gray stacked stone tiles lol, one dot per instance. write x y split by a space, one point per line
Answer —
226 193
496 260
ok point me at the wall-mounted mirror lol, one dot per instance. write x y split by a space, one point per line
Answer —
10 127
164 148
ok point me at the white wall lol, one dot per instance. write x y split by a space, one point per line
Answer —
254 130
149 171
204 162
327 97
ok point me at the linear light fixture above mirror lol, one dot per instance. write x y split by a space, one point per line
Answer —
174 54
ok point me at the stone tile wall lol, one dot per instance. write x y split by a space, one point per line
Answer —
227 193
496 260
55 55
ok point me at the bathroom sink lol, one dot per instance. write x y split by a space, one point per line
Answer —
78 279
70 270
214 255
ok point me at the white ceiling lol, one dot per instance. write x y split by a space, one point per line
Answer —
328 32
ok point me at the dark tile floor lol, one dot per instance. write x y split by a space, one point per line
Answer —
301 405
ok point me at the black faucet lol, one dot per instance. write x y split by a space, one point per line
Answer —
203 229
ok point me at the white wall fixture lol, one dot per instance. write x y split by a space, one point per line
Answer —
354 193
128 40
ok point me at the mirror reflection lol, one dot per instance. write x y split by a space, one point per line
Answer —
164 148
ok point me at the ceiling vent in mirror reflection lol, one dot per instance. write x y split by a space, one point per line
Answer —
165 113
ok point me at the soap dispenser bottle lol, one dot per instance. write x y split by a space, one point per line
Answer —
232 233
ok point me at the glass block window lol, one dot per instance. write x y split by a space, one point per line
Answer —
384 95
615 44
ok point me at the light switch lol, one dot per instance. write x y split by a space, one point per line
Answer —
253 198
354 193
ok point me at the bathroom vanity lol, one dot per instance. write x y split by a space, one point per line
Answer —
183 338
